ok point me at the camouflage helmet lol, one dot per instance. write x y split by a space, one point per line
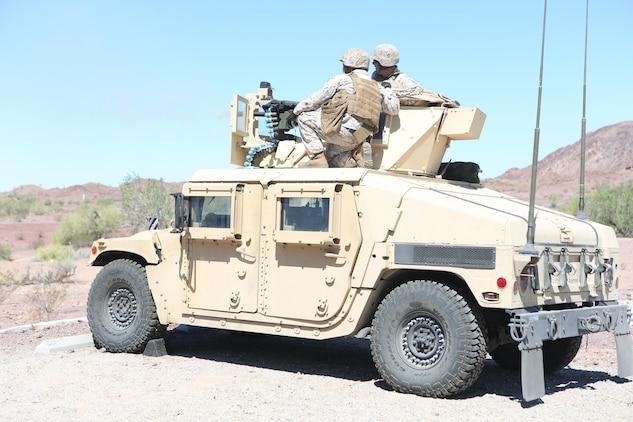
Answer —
386 54
356 58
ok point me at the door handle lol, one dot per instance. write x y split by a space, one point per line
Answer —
333 255
242 251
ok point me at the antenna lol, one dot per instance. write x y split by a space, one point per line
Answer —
581 200
528 248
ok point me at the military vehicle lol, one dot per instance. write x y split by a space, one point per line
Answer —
423 259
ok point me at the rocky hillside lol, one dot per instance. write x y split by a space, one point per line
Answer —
609 159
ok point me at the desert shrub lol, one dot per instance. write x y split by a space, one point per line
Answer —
553 199
82 253
47 289
5 251
600 205
5 206
54 252
611 206
608 205
64 270
38 208
45 300
623 205
58 205
142 199
107 202
59 272
20 206
20 209
7 285
88 223
571 207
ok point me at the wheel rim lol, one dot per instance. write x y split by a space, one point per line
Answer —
423 341
122 307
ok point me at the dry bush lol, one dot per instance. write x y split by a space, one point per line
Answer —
46 299
7 285
5 251
47 289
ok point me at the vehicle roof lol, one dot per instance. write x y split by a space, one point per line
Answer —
266 175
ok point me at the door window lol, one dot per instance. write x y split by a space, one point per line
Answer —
305 214
210 211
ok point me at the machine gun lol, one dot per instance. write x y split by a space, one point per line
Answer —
277 114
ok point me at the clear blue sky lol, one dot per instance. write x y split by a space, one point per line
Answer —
91 91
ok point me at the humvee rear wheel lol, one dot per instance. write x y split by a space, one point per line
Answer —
557 354
427 340
121 311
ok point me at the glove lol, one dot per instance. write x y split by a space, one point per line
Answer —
385 84
291 119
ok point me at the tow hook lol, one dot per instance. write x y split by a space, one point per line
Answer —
591 324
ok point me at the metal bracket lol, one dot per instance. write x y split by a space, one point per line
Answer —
566 267
551 268
608 274
588 267
600 267
518 328
590 324
532 374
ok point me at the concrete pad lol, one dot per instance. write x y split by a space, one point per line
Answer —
65 343
40 325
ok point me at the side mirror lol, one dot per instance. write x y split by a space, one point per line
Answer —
180 217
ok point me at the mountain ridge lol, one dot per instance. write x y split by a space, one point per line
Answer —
609 159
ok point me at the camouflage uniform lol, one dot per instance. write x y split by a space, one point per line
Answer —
397 79
340 147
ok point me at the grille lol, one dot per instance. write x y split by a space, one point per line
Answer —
445 256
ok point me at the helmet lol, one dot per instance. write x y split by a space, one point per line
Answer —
386 54
356 58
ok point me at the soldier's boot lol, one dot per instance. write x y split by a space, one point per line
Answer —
357 157
363 155
316 161
350 164
368 160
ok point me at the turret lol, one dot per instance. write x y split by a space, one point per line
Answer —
413 141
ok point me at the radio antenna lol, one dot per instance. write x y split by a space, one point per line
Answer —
581 199
528 248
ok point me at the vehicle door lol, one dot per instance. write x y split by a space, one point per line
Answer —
312 237
221 247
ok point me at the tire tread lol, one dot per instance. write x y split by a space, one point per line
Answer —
147 328
470 363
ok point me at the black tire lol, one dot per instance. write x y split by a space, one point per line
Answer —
507 356
557 354
121 311
427 340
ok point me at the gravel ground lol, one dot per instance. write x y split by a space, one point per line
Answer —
216 375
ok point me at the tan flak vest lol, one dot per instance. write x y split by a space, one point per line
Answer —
364 105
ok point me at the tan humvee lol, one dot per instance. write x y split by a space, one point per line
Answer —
432 269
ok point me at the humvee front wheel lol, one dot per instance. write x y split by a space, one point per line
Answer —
427 340
121 311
